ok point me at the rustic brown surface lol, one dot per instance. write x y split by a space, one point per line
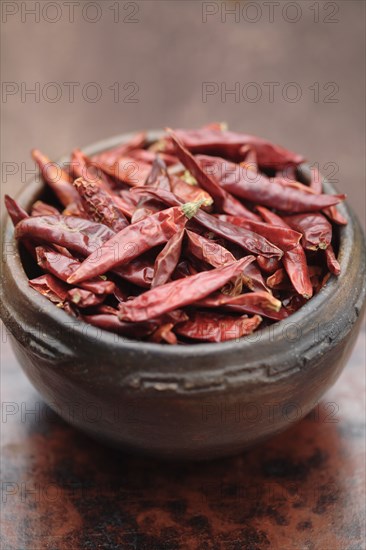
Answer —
302 490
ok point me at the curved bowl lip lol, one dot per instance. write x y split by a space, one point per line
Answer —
60 317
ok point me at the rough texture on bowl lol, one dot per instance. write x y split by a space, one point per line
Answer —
196 401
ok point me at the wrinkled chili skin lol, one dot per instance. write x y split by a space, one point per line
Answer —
100 206
15 211
250 241
293 260
41 208
181 280
332 261
315 228
62 267
50 287
80 235
223 200
180 292
208 251
131 242
213 327
234 145
58 180
284 238
167 260
236 180
268 265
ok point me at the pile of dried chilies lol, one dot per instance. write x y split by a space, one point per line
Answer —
203 236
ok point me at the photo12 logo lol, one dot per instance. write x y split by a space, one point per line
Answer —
269 11
117 11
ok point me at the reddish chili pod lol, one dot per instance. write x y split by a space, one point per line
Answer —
57 179
83 167
167 260
50 287
259 302
332 262
17 214
15 211
253 279
82 236
146 207
134 240
213 327
190 193
316 184
279 280
127 170
293 260
164 334
84 298
268 265
159 177
113 155
208 251
111 323
284 238
250 241
223 200
179 293
234 146
261 191
62 267
100 206
41 208
315 228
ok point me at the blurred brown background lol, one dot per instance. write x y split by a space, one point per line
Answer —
146 64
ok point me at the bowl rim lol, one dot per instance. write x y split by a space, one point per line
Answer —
59 317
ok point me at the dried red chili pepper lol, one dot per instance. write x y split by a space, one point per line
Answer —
158 176
181 292
261 191
208 251
164 334
127 170
315 228
100 206
84 298
213 327
111 156
250 241
259 302
268 265
50 287
293 260
316 184
190 193
83 167
222 199
62 267
234 146
134 240
41 208
167 260
82 236
284 238
15 211
57 179
332 262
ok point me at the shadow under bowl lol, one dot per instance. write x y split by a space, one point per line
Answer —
198 401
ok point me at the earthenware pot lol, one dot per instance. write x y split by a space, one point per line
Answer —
188 402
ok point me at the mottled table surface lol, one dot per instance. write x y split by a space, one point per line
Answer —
303 489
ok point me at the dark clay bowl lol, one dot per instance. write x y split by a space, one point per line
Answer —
187 402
